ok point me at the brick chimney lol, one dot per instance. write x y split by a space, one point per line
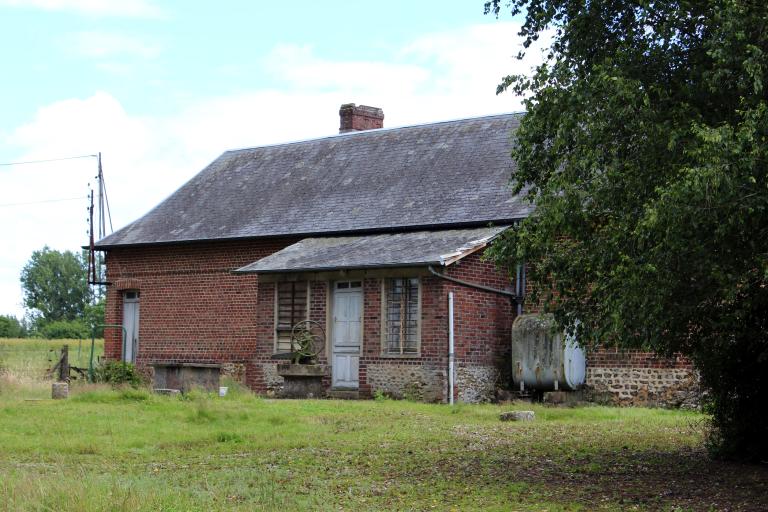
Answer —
357 118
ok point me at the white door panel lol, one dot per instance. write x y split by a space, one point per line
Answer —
131 325
347 335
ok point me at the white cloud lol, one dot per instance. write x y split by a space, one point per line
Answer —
437 77
475 58
100 45
119 8
299 67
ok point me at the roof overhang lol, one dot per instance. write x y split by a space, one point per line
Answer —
377 251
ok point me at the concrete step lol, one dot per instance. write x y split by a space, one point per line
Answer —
344 394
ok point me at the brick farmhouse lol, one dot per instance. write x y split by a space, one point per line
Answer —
366 233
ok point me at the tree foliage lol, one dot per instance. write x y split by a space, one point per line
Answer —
64 329
55 286
11 327
644 148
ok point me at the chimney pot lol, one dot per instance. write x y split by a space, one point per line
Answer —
358 118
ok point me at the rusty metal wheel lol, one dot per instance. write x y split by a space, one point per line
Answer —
307 340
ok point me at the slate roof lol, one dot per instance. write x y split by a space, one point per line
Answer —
453 173
415 248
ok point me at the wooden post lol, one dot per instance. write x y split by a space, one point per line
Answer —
64 364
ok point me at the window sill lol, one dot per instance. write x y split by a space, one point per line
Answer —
387 355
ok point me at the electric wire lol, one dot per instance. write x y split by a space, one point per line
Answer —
106 200
44 201
6 164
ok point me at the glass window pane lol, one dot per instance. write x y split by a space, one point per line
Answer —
401 315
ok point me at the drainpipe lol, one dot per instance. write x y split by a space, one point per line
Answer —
522 286
518 290
451 353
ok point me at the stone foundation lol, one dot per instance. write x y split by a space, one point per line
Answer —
302 380
476 383
234 371
655 387
423 383
272 381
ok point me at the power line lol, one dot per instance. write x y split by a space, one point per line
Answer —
48 160
45 201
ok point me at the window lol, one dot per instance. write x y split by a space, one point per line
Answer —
291 306
342 285
401 314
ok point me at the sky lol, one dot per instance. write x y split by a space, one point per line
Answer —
161 88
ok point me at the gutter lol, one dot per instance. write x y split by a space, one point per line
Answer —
518 299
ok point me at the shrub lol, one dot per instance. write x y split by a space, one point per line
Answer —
65 329
118 372
228 437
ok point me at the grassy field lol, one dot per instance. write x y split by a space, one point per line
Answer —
30 358
127 450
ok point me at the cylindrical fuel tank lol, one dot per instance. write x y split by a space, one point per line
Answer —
543 358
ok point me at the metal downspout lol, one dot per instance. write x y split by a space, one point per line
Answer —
451 353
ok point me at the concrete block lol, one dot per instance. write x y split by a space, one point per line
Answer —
60 390
517 416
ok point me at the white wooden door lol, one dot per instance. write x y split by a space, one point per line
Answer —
346 333
131 325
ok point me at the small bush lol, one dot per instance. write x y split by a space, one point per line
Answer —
118 372
65 329
228 437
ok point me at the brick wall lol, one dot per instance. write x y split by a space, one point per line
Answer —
421 377
192 308
482 325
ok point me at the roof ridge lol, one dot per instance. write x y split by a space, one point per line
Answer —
373 131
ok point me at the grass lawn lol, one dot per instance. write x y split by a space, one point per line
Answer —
127 450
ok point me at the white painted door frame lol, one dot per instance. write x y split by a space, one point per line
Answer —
131 325
346 333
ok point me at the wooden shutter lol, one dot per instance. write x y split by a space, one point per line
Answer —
291 308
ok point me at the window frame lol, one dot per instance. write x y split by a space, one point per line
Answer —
277 329
384 324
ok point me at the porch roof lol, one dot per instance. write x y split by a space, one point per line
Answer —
417 248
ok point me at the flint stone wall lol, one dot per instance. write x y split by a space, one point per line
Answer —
415 382
638 378
477 383
272 381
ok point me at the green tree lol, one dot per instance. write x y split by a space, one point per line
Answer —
94 315
644 148
55 286
11 327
